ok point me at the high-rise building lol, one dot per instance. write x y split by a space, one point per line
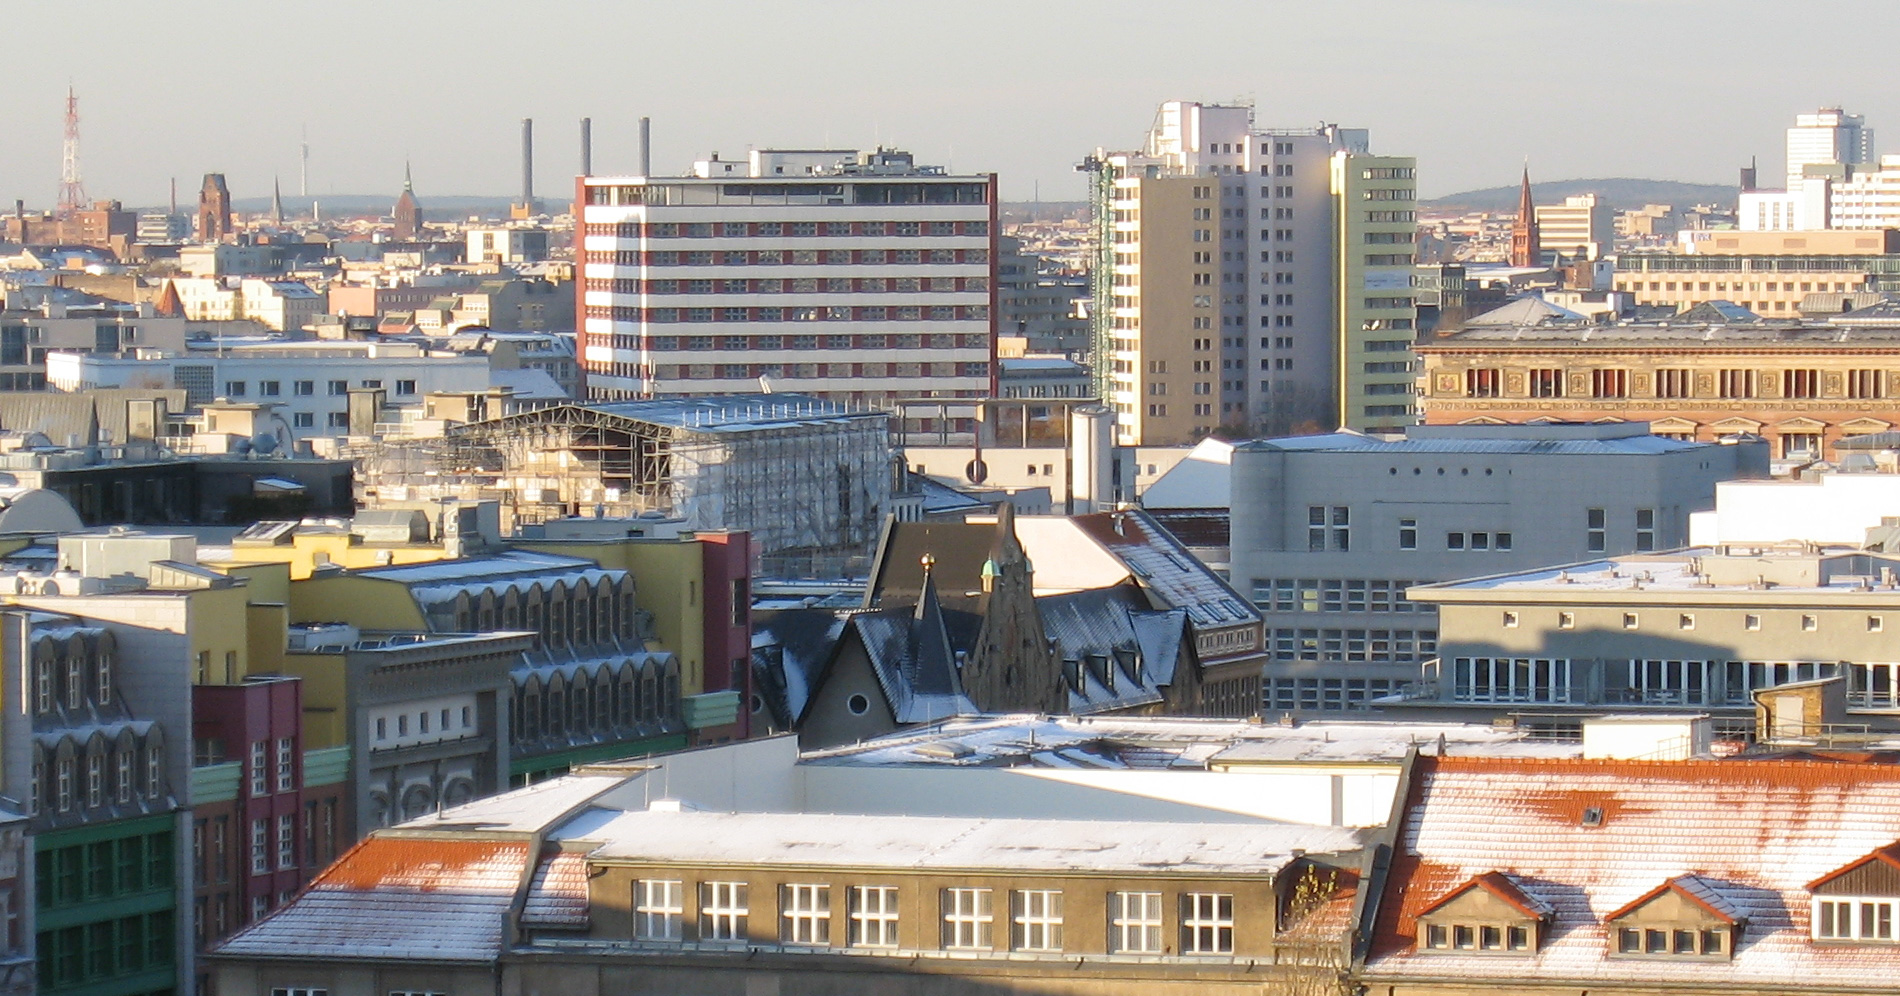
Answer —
1218 298
1582 227
1829 135
857 276
1375 312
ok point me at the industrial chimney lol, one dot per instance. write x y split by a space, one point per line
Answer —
646 146
587 146
527 160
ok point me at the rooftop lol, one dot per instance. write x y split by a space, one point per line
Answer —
1756 569
1617 439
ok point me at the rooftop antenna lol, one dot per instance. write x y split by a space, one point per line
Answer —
72 194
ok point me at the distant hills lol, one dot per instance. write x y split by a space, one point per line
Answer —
1622 193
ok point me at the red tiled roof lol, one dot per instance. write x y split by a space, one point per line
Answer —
558 895
401 898
1754 833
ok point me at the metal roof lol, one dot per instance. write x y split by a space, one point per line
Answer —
732 412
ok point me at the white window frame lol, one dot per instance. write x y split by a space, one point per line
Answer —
1035 920
874 916
286 764
659 909
286 841
723 909
260 845
805 913
1135 923
969 919
1207 923
1874 919
260 767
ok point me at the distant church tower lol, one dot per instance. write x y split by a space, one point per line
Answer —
408 213
1524 240
214 209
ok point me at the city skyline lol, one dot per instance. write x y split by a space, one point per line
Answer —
1049 87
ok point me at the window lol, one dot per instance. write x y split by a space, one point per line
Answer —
1645 529
260 846
95 780
1482 383
1454 541
1810 623
1207 923
1800 445
234 388
339 388
1566 620
722 911
1510 620
405 387
286 764
1751 621
1673 383
1609 383
1408 534
1475 937
298 991
873 916
338 420
1735 383
1866 384
1629 620
286 842
1800 383
1134 922
967 918
1596 533
1036 920
1854 919
303 420
270 388
260 769
658 908
303 388
1685 620
805 914
1668 941
1326 524
1547 383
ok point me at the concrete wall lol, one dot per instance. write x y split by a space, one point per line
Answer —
1838 508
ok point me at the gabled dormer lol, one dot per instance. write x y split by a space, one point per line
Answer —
1856 903
1686 918
1490 914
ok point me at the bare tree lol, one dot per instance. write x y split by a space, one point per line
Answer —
1311 956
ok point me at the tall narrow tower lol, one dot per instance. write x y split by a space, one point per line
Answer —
72 193
1525 250
303 165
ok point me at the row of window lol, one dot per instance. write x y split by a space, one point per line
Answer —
440 723
73 681
593 702
211 843
267 777
96 952
796 257
113 775
1324 694
1809 622
906 340
753 371
307 388
103 870
1679 383
966 917
777 229
1659 682
836 313
1353 646
804 285
1334 595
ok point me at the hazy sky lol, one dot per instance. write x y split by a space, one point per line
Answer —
1670 89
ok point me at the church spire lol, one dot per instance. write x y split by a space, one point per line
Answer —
276 202
1525 250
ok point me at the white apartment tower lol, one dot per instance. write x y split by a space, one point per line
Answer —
1221 299
1829 135
858 277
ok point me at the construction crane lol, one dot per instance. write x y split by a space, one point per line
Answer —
72 193
1101 275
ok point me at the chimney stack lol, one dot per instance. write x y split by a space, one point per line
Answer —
527 160
646 146
587 146
1749 175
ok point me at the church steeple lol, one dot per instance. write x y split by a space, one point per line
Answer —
408 213
276 202
1525 250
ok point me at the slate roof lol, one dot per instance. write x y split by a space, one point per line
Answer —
1101 623
557 897
1166 569
1747 834
397 898
1527 310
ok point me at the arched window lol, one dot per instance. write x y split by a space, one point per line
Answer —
75 682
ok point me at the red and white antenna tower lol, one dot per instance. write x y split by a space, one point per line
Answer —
72 193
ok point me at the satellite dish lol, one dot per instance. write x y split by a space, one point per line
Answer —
264 443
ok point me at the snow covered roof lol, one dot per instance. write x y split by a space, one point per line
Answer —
397 898
1745 838
931 843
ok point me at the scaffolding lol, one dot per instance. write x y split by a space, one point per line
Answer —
811 485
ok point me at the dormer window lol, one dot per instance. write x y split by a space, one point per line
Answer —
1858 903
1688 917
1490 914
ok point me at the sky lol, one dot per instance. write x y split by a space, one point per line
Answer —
1663 89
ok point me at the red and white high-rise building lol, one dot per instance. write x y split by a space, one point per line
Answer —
859 277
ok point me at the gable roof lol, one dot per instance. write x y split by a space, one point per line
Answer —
1889 855
1698 890
1500 885
1742 836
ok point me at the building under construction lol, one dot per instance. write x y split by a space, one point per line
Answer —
809 479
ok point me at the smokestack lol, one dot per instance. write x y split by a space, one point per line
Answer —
646 146
174 195
527 160
587 146
1748 175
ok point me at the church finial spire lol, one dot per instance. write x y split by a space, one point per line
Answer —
407 182
1525 239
